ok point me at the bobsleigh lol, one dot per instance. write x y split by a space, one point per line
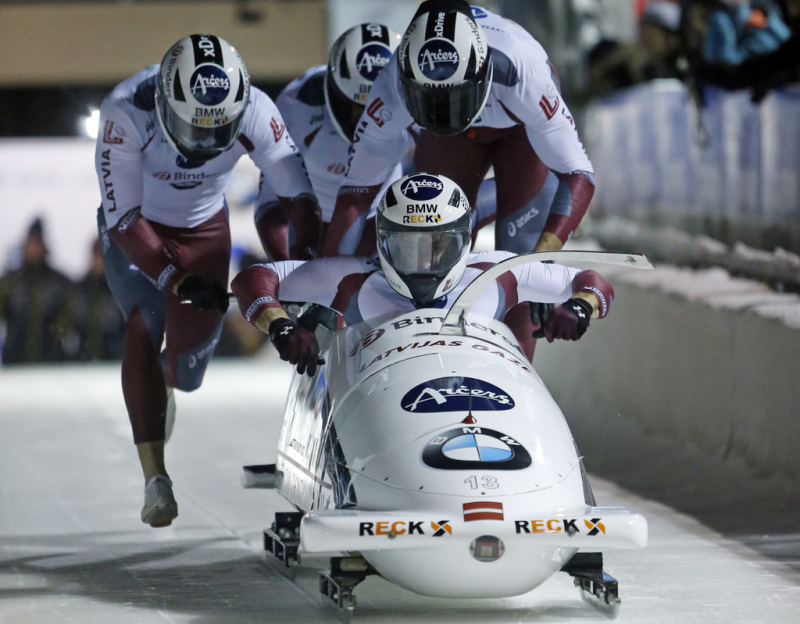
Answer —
428 451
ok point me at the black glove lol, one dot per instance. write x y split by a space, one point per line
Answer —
569 321
296 345
540 312
202 294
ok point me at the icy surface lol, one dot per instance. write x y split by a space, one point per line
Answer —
72 547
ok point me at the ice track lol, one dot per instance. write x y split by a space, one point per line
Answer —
72 547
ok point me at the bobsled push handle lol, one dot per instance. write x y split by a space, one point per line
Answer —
454 322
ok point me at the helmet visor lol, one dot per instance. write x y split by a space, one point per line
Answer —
448 109
421 252
196 142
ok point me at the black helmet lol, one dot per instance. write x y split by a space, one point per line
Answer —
445 67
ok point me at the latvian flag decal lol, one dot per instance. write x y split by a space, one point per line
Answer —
484 510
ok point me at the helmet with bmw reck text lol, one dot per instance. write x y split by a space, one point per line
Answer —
202 92
423 225
356 59
445 67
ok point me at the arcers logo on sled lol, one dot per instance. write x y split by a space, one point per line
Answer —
456 394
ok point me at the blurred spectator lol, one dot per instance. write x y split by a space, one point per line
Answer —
37 306
100 324
766 71
661 40
613 65
738 30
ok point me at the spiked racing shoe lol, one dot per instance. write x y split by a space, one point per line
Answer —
160 508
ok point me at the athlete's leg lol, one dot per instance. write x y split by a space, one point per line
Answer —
525 190
485 208
143 382
143 385
193 334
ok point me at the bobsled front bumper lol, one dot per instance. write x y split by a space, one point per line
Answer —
601 528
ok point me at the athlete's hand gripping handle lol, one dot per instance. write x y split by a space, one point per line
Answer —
569 321
296 344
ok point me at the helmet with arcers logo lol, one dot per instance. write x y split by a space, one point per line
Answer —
445 66
423 226
202 92
356 59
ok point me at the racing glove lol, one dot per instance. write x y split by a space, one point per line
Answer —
569 321
202 294
296 345
540 312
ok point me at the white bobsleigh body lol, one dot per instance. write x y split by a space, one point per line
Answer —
442 459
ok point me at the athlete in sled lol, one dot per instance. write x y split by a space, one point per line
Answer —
425 446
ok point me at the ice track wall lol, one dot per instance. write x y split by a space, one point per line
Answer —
727 169
690 385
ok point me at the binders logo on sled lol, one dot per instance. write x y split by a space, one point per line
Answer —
456 394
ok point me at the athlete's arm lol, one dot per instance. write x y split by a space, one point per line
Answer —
271 148
144 247
118 161
349 218
570 203
380 142
256 289
555 283
596 290
260 288
551 130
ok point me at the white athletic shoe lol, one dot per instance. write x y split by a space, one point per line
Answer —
160 508
170 424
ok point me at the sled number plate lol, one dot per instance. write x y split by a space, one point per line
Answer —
486 482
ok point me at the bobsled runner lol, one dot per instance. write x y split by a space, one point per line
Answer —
428 451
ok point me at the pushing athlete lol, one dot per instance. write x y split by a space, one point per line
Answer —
321 109
486 97
170 137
